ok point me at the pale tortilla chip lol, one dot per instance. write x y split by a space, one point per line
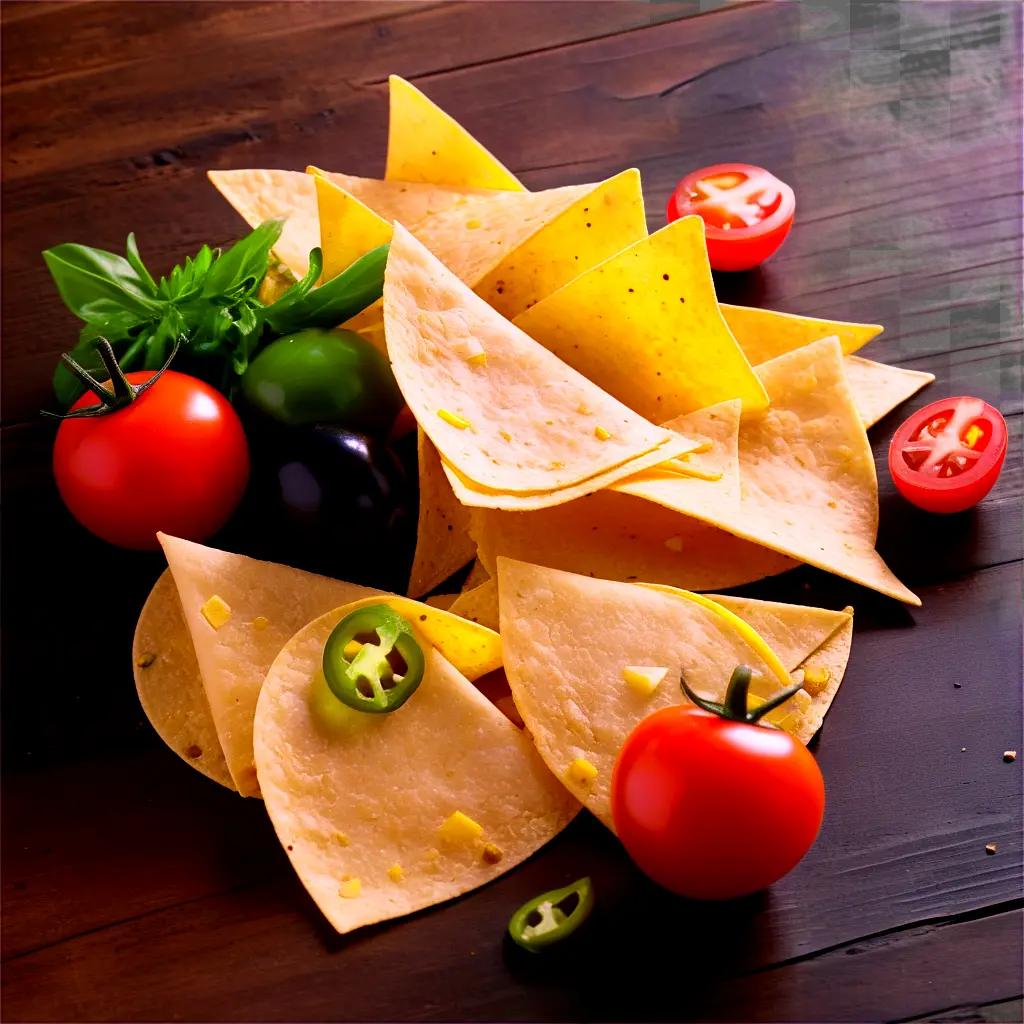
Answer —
877 388
503 411
260 194
764 334
568 638
337 787
426 144
169 685
807 475
477 575
479 604
234 658
600 223
442 601
443 544
612 536
645 326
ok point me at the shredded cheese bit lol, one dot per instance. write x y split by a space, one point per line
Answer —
492 854
472 223
815 679
395 873
974 435
260 623
454 419
643 679
459 828
216 611
674 543
601 434
350 888
581 771
480 359
504 435
583 409
341 839
1009 755
704 446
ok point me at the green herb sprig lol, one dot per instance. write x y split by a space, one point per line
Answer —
209 305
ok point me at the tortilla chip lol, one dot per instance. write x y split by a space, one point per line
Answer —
234 658
169 684
503 412
764 334
258 195
348 227
645 326
366 843
877 389
567 639
479 604
442 601
477 575
426 144
600 223
443 544
614 536
807 475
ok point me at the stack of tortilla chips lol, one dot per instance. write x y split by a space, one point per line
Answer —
602 439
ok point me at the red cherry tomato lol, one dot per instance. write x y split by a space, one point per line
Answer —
175 459
948 455
712 808
747 212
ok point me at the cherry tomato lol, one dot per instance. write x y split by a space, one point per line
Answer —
747 212
712 808
174 459
948 455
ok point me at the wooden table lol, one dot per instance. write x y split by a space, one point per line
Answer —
133 889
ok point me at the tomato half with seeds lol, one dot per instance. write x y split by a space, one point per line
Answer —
948 455
747 212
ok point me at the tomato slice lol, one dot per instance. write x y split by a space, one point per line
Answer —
948 455
747 212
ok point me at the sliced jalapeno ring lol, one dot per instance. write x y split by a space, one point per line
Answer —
552 916
386 669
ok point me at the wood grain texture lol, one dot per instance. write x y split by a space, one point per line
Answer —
145 892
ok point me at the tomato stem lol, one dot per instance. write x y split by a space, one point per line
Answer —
734 708
121 393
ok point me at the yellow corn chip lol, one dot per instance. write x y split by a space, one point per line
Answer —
348 228
645 326
764 334
426 144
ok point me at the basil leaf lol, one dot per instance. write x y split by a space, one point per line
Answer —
244 260
131 251
84 275
333 303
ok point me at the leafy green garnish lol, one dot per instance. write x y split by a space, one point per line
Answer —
209 305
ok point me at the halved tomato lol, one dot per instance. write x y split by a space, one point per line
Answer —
747 212
948 455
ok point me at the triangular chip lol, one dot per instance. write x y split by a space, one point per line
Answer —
169 685
877 389
240 612
807 475
383 815
504 412
348 227
764 334
443 544
600 223
478 604
568 640
426 144
645 326
259 195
